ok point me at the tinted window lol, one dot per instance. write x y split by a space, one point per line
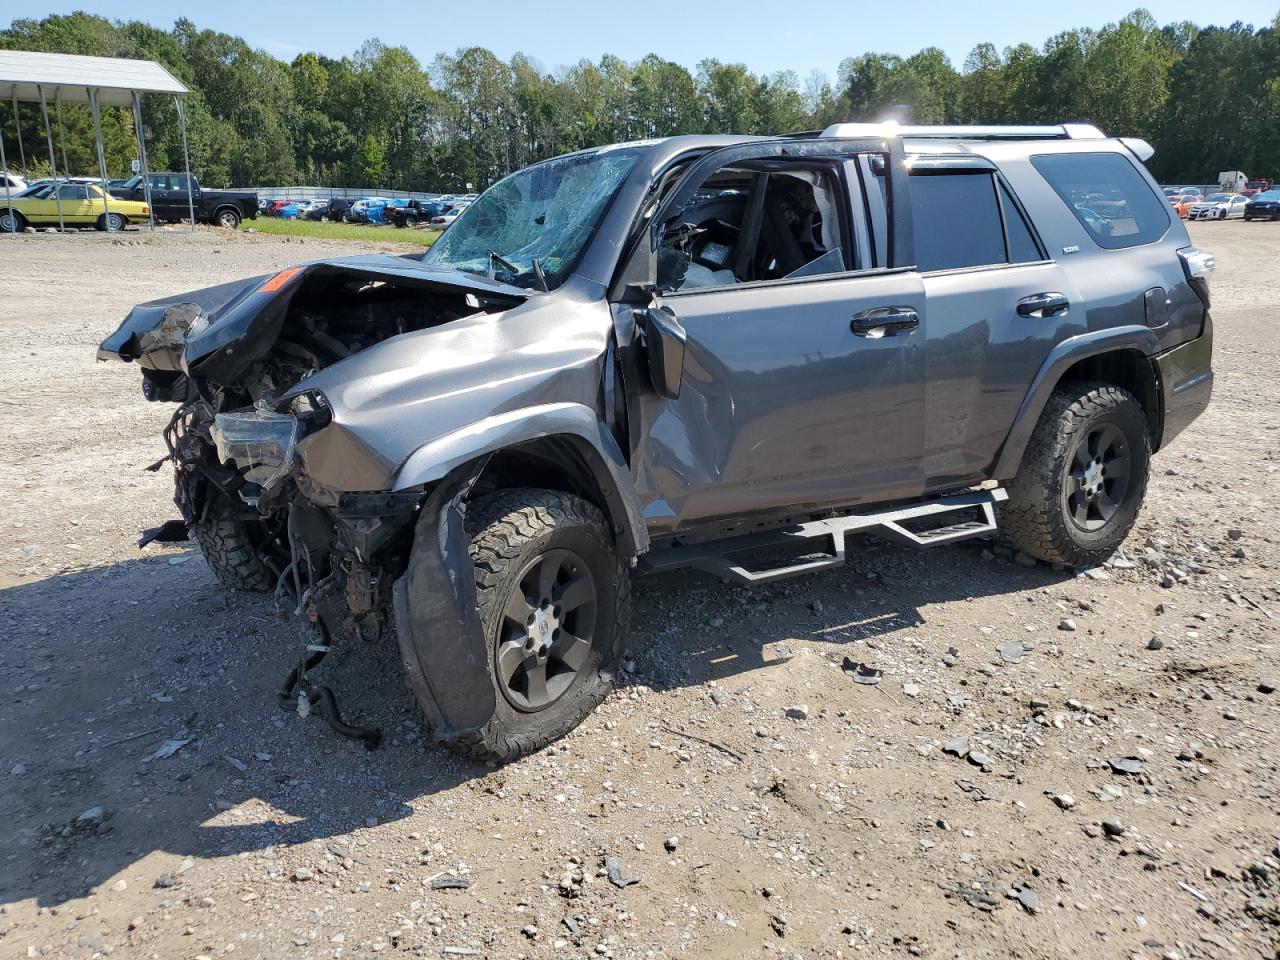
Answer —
1108 196
956 220
1022 245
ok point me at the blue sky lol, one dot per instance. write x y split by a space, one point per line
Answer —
766 35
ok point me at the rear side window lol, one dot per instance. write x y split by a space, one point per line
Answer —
960 219
1108 196
1022 245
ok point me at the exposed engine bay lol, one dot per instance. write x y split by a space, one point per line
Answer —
329 558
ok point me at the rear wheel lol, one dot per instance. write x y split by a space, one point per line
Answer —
1082 478
228 217
12 222
553 597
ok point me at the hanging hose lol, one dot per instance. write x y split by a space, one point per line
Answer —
300 568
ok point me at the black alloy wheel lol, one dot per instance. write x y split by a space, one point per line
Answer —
1099 477
547 630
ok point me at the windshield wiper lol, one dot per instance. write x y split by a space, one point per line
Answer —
541 275
497 258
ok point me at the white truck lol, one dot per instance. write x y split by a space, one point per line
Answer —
1232 181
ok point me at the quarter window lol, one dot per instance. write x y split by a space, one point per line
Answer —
1108 196
965 218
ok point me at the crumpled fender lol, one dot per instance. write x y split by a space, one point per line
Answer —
438 627
440 456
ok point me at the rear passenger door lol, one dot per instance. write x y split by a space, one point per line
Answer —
803 364
997 305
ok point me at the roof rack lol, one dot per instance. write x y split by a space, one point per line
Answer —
890 128
1062 131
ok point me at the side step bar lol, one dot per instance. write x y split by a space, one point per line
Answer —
713 557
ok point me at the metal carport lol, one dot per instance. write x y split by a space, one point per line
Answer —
27 77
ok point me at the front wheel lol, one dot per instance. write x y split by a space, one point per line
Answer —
228 218
553 596
112 222
1083 476
234 548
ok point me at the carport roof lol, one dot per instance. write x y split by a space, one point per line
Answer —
22 73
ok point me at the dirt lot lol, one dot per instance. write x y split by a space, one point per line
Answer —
806 815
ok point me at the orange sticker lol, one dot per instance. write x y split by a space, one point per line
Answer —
279 280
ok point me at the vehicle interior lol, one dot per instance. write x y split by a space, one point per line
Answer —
758 220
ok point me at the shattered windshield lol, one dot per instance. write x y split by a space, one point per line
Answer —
535 223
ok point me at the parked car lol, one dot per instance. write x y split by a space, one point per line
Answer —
43 182
274 208
417 211
170 200
1255 187
1182 202
1218 206
359 211
451 214
1263 206
326 210
80 205
670 354
11 182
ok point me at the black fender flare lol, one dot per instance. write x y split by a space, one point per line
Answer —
437 459
1132 337
442 645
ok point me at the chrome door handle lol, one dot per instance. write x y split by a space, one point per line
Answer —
1043 305
884 322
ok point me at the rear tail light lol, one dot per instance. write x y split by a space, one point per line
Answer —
1198 265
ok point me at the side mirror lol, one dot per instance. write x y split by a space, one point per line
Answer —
664 340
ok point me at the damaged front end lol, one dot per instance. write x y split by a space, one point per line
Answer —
282 491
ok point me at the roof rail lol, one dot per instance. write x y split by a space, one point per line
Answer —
890 128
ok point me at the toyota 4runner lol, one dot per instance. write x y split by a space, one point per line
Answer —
676 353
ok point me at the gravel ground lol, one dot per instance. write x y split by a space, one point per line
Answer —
1051 765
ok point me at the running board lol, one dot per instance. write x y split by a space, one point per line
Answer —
713 556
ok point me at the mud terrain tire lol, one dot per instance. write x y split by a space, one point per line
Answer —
1045 516
229 548
513 532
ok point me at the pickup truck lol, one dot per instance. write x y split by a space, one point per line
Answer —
225 208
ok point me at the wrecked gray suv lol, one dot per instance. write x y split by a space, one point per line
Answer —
672 354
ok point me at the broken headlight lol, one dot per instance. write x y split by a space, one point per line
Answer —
310 409
260 443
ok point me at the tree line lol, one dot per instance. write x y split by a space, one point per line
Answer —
1208 98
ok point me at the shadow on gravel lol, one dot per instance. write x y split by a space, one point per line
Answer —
100 668
701 629
103 667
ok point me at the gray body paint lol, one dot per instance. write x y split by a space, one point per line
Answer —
783 411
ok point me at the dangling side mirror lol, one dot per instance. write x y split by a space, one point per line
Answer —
664 342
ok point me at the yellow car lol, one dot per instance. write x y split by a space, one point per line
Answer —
81 207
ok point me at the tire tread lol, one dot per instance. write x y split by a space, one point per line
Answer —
1031 518
503 525
231 555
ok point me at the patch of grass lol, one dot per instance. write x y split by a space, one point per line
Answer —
341 231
